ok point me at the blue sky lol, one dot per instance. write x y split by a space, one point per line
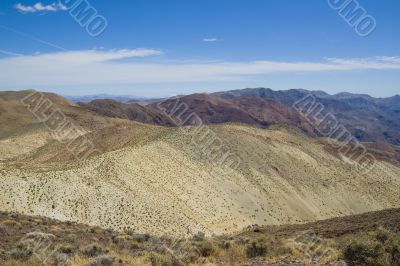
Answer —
161 48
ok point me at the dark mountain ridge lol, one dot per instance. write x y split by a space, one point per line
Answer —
367 118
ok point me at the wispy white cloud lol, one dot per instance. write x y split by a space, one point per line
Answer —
94 67
210 40
39 7
87 57
378 62
9 53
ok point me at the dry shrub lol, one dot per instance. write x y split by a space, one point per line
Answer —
382 248
157 259
25 247
92 250
242 240
122 241
9 222
257 248
21 252
206 248
141 237
225 244
3 228
103 260
200 236
66 248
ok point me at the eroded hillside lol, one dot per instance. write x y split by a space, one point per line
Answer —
171 180
163 183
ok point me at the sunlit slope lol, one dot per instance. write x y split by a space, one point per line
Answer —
22 135
160 182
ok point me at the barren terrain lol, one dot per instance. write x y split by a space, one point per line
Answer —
160 180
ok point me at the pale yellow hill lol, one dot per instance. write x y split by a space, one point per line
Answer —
155 180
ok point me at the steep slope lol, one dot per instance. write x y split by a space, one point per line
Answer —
23 133
211 110
131 111
272 112
19 118
167 184
15 118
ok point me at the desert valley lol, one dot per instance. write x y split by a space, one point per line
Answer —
154 172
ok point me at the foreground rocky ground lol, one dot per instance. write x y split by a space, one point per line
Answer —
368 239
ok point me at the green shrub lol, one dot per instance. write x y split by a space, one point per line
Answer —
395 251
362 254
257 248
381 248
382 236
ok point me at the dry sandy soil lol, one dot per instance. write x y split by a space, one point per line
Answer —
162 183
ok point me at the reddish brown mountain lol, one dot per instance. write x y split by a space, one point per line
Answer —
272 112
211 110
368 119
247 110
132 111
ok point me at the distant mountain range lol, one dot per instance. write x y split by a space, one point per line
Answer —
120 98
367 118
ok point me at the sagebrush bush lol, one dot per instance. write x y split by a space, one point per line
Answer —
257 248
66 248
396 255
200 236
103 260
362 254
3 228
163 260
225 244
382 235
206 248
21 252
379 249
122 241
141 237
242 240
92 250
395 250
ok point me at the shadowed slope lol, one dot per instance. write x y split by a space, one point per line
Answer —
131 111
367 118
211 110
272 112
